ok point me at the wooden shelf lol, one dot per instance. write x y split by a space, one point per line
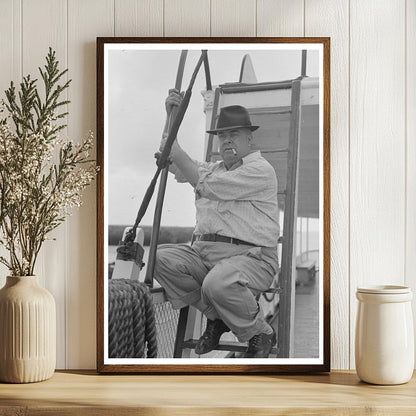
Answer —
86 393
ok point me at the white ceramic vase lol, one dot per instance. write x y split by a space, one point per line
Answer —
27 331
384 338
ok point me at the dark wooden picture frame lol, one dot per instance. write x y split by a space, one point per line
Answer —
284 364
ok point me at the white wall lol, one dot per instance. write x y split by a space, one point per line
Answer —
373 132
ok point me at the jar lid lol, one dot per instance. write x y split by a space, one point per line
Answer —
384 289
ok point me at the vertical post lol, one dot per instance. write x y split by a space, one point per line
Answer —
300 238
180 332
304 60
208 153
287 299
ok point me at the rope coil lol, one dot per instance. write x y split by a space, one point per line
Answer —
131 326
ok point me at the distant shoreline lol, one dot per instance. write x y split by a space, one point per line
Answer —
167 234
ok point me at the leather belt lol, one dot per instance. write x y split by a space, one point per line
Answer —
220 239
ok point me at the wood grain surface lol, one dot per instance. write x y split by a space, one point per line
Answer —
233 18
331 18
410 260
138 18
81 393
84 20
10 64
377 148
51 266
187 18
280 18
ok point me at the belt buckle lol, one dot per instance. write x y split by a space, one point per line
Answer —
233 241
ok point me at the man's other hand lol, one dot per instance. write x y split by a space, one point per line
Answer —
174 99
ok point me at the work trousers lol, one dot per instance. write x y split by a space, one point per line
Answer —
219 279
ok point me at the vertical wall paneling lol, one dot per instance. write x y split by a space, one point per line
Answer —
10 44
233 18
44 24
330 18
377 146
10 64
6 45
280 18
187 18
373 146
138 17
86 21
411 150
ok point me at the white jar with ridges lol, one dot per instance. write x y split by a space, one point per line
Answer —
384 337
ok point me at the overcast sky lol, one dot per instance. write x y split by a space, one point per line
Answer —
138 84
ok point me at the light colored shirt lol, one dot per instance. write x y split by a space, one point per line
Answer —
240 202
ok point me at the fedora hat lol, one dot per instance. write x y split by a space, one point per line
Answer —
233 117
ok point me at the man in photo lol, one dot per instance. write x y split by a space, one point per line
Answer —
233 255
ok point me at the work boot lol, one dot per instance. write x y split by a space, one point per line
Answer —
211 336
260 345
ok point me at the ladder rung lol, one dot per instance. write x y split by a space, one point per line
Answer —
224 346
273 353
283 112
282 192
269 111
278 113
236 87
282 150
262 151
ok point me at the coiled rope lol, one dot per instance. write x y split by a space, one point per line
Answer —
131 326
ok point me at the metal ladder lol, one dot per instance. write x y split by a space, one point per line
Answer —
285 287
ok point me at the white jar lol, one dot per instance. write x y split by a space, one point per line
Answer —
384 340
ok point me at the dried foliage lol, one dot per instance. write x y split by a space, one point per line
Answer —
41 175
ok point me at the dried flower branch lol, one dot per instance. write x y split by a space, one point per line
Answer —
41 176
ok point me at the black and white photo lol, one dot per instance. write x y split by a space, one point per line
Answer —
213 205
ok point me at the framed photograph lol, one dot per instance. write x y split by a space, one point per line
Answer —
213 217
